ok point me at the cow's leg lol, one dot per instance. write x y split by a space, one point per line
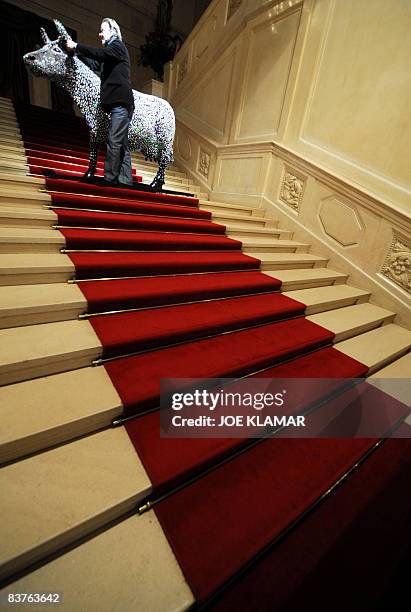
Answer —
92 162
158 181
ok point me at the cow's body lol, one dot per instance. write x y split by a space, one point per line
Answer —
152 125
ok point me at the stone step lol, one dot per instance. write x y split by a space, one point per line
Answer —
35 268
307 278
8 140
40 350
151 578
152 170
7 162
29 197
17 182
278 261
237 221
394 379
29 240
227 207
33 304
239 234
18 217
50 410
171 177
12 153
353 320
256 246
320 299
378 347
8 120
9 127
66 493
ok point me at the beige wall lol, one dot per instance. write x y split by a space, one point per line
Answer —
303 106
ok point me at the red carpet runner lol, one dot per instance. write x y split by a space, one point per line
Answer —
198 307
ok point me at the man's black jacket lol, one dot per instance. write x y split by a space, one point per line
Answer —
115 72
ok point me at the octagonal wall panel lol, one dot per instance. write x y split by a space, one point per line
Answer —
340 222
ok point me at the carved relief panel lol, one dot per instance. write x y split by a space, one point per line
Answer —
292 189
397 264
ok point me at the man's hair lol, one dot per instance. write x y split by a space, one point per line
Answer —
113 26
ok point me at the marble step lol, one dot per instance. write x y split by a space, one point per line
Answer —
308 278
32 304
394 379
19 217
258 232
10 140
241 221
44 349
228 207
255 246
16 149
20 181
320 299
29 240
29 269
9 128
57 505
43 412
353 320
29 196
378 347
278 261
151 578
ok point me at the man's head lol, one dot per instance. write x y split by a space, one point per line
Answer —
109 28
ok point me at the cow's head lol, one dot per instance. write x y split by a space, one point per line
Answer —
51 60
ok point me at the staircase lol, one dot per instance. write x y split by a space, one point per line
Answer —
103 292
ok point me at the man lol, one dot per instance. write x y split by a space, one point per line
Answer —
116 97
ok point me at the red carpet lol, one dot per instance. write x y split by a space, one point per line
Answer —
58 165
234 354
79 218
90 239
345 552
119 204
140 292
134 331
169 461
247 503
106 265
124 193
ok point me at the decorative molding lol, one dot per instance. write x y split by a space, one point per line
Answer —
340 221
182 70
233 6
292 189
397 264
184 147
204 160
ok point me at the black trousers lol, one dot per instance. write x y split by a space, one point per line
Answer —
117 165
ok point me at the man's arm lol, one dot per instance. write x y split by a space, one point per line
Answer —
114 50
94 65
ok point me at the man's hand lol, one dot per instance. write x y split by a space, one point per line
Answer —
70 44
